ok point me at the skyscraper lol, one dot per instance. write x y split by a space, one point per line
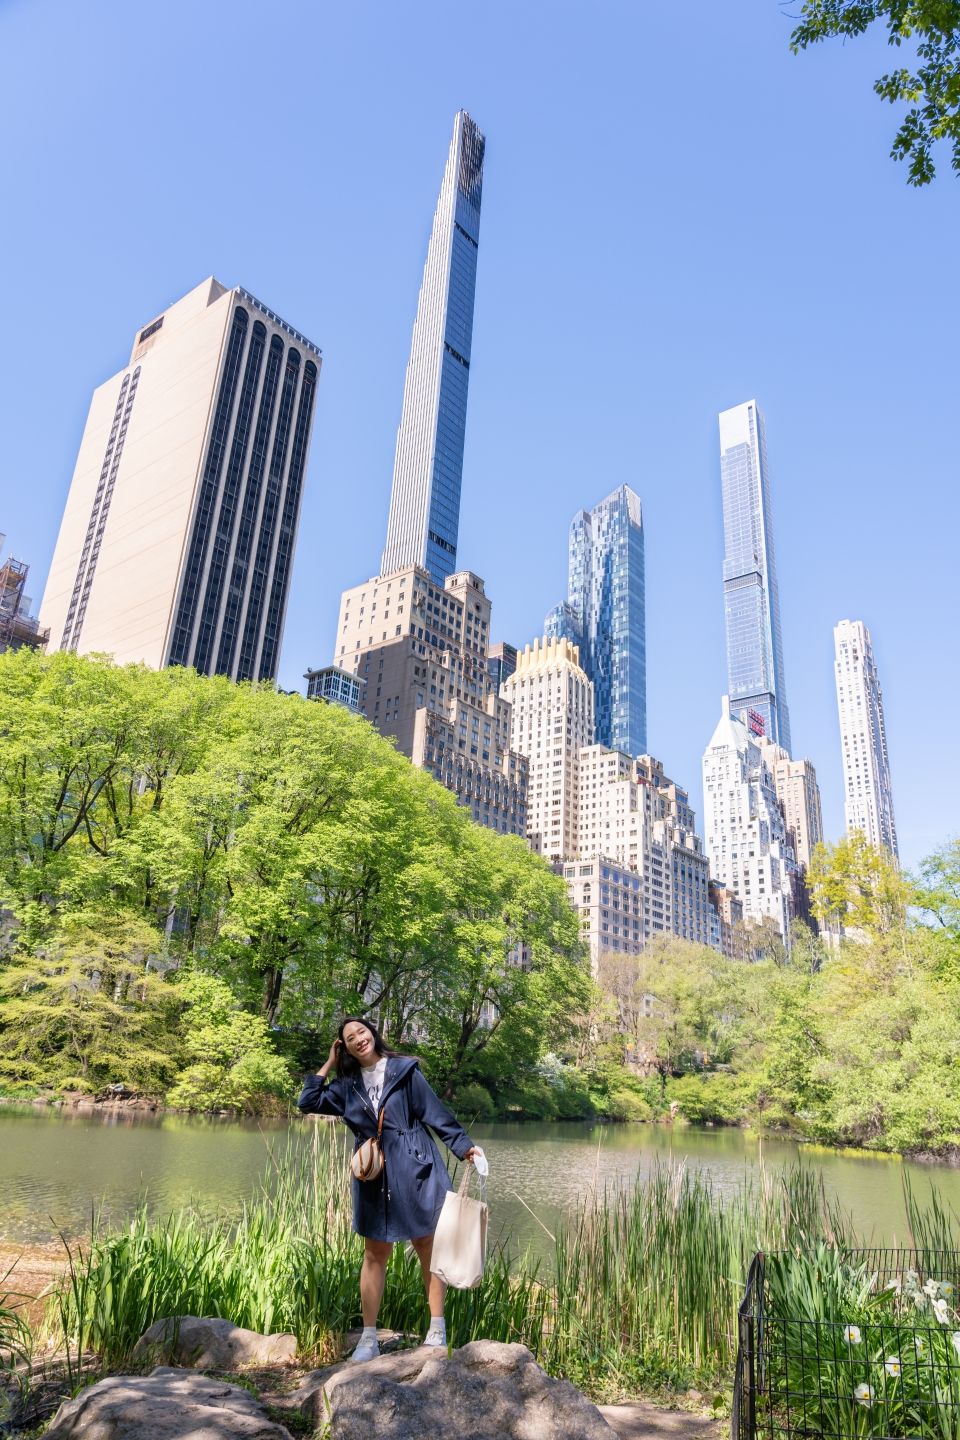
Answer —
868 801
177 539
552 718
745 833
751 599
427 472
604 615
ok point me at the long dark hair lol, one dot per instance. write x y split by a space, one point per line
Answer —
348 1067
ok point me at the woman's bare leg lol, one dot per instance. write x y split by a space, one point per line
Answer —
373 1277
435 1287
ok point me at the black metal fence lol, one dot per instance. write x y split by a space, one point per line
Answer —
844 1345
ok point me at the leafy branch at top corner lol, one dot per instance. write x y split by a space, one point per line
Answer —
933 90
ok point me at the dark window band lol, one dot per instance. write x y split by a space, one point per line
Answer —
99 512
220 549
209 486
288 525
246 530
268 519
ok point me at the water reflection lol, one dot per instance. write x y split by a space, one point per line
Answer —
56 1167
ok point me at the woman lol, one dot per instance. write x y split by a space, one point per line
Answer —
405 1200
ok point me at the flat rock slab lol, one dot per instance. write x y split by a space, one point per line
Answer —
213 1344
485 1391
167 1404
647 1422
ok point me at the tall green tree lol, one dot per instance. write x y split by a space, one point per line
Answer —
514 974
276 846
932 88
856 885
937 890
88 750
90 1007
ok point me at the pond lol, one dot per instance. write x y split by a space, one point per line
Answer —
55 1166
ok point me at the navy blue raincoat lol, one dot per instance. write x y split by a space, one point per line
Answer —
405 1200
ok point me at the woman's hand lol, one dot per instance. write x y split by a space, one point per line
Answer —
331 1059
470 1154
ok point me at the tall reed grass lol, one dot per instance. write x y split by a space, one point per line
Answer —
648 1278
643 1287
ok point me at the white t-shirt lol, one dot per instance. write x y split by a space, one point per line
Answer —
373 1080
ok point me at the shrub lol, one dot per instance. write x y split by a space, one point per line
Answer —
234 1064
473 1102
706 1097
530 1099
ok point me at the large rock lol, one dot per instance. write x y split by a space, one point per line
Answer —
213 1344
168 1404
488 1390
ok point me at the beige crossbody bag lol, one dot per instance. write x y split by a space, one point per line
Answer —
367 1162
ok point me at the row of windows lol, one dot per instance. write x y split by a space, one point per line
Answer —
99 512
209 487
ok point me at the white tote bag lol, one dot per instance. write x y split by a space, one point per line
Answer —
460 1241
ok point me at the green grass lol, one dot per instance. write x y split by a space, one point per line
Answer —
641 1294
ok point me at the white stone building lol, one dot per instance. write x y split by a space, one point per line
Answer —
745 833
868 797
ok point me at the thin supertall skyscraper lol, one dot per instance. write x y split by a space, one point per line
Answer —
868 801
751 599
428 468
604 615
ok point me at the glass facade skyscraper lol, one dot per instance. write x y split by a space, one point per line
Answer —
425 499
605 615
751 599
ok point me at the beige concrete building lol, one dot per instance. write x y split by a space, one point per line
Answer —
639 872
799 794
552 719
177 540
419 651
731 932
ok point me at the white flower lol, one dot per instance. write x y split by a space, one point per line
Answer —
863 1395
892 1366
931 1288
946 1289
895 1286
852 1334
942 1311
919 1344
955 1337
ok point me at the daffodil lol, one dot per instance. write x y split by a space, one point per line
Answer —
946 1289
892 1366
863 1395
931 1288
919 1344
852 1334
955 1338
942 1311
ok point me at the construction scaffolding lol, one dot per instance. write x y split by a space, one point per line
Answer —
17 626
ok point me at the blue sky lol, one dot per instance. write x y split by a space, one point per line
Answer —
678 215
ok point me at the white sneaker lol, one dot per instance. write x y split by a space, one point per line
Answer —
366 1350
435 1338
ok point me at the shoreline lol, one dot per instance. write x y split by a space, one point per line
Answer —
947 1157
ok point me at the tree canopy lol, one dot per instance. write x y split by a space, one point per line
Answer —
932 88
275 844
